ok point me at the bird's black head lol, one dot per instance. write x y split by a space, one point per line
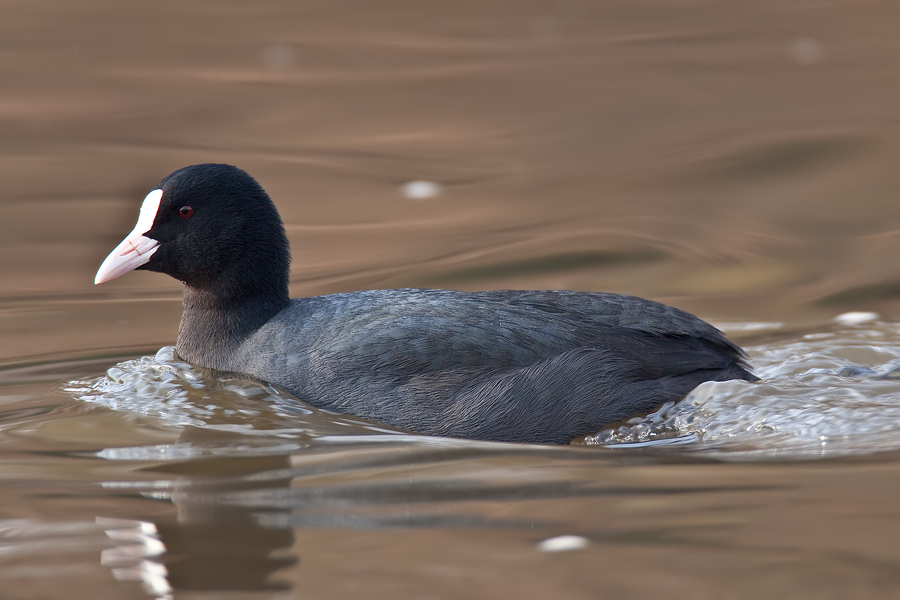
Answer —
212 227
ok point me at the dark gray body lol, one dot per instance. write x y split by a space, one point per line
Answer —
504 365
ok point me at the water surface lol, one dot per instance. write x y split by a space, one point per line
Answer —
734 161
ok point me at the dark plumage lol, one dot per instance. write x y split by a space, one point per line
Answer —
531 366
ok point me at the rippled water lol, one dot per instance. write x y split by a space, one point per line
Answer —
156 479
734 160
822 394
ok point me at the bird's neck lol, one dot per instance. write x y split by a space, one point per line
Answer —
214 323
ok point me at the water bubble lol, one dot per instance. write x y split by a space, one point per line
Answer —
421 190
563 543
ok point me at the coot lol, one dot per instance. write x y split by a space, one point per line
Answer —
528 366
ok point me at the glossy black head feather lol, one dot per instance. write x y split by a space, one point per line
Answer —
233 242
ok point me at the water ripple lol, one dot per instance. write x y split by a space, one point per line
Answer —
164 387
828 393
833 392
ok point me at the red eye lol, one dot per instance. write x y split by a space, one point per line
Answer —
185 212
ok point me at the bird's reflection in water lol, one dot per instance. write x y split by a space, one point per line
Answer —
217 540
240 499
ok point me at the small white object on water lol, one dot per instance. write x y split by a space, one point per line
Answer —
421 190
856 318
563 543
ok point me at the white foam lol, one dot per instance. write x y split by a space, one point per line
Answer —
827 394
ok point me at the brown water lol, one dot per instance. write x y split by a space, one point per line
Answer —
735 160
